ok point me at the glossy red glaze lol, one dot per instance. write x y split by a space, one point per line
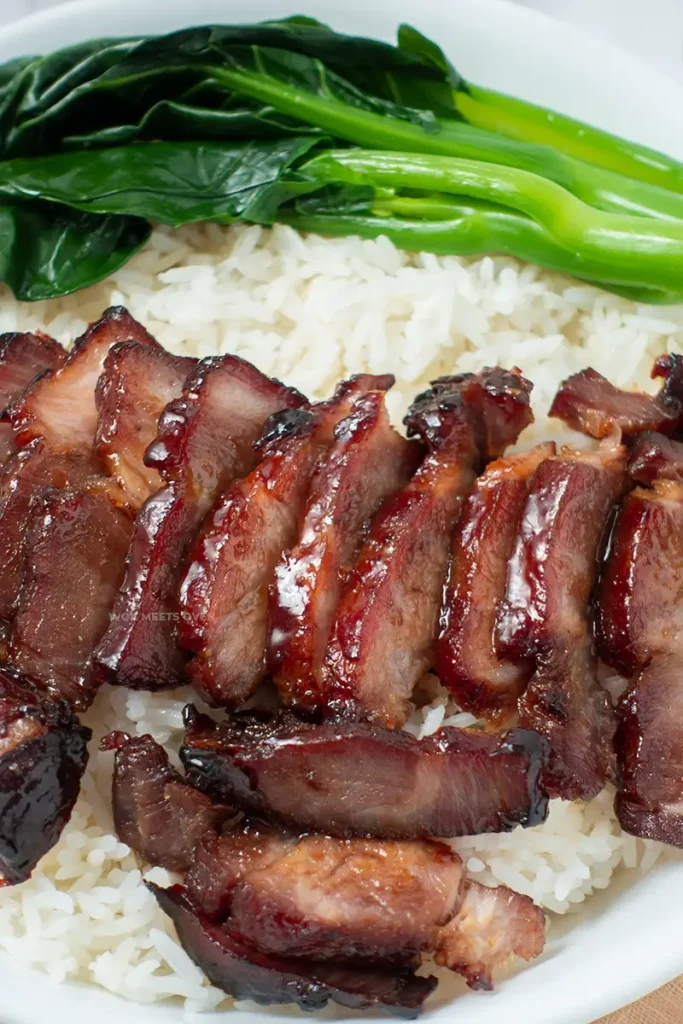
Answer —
368 462
641 584
468 663
43 754
22 481
587 402
136 384
352 778
655 457
224 595
546 613
361 902
60 406
23 357
156 812
384 635
246 973
205 437
75 561
206 440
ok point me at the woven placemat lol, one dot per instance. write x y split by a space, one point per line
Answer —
663 1007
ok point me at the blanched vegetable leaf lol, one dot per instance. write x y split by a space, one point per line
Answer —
175 183
47 251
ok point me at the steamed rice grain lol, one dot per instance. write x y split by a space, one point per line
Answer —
310 311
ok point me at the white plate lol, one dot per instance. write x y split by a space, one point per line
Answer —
628 943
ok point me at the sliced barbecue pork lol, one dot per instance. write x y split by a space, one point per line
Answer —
640 632
205 442
655 457
587 402
468 663
156 812
546 618
23 357
384 635
352 778
75 559
245 973
358 902
43 754
224 595
136 384
22 481
368 462
60 406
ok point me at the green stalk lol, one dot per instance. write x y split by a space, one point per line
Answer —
527 122
461 227
597 187
626 250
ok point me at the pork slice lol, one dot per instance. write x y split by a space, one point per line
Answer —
75 559
156 812
245 973
136 384
368 462
206 440
23 357
587 402
384 635
546 614
468 663
22 482
224 595
43 755
60 405
640 632
352 778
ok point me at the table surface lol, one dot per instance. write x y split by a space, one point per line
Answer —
653 29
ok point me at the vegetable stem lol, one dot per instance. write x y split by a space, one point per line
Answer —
630 250
526 122
597 187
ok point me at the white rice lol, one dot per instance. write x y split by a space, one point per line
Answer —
311 311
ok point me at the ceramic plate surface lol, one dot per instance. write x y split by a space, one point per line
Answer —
627 942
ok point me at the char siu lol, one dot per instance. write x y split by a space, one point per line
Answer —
23 357
224 595
368 462
639 628
60 406
43 754
136 384
75 557
245 973
468 663
156 812
348 779
359 902
384 635
205 441
587 402
545 616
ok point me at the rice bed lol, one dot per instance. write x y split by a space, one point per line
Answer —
311 311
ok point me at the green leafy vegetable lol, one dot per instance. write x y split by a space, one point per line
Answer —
248 122
47 251
175 183
448 226
626 250
526 122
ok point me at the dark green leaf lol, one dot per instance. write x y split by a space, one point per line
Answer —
175 183
176 121
103 86
47 251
